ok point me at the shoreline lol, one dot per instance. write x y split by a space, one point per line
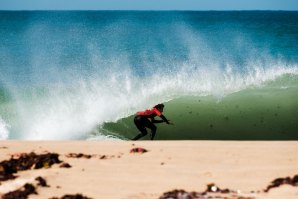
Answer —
112 171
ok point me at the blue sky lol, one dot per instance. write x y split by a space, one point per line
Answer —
148 4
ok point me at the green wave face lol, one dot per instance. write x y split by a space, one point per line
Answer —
268 113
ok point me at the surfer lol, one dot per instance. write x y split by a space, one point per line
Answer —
146 119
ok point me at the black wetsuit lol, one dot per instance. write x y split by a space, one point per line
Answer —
142 122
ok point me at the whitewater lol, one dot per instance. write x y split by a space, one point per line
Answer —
84 74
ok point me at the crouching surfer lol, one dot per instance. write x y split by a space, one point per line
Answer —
146 119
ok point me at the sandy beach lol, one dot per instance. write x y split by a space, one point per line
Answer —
112 171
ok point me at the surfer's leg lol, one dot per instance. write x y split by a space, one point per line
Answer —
152 127
140 124
153 131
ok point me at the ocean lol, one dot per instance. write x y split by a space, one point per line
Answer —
82 75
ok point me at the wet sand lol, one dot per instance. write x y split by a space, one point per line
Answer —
108 169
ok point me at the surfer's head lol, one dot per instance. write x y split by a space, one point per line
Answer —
159 107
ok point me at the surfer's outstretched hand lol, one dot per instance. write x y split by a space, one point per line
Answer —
170 123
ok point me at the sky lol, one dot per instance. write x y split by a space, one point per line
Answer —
148 4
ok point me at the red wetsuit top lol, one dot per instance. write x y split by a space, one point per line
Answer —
150 113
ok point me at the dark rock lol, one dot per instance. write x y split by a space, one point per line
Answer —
212 191
41 181
22 193
138 150
281 181
181 194
78 155
65 165
295 180
25 162
68 196
77 196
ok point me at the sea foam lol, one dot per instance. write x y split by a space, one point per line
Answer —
4 129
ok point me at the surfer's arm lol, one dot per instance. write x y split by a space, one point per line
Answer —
164 119
157 121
